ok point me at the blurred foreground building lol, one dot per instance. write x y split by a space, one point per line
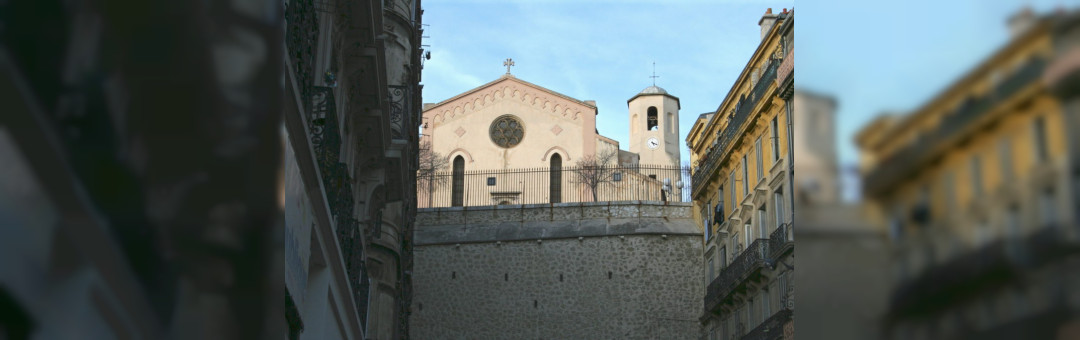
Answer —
741 188
978 191
352 109
842 290
138 186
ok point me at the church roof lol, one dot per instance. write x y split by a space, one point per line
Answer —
508 77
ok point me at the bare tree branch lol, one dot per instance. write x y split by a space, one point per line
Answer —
428 176
596 170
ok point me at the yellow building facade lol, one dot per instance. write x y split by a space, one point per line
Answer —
741 162
973 189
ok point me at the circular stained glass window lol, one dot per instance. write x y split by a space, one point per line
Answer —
507 131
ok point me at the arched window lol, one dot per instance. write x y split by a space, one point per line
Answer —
458 192
653 123
556 178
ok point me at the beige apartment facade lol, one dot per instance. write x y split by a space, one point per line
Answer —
741 156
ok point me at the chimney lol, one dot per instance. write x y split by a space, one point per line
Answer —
766 22
1021 21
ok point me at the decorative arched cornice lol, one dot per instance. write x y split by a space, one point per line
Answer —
512 89
459 151
564 154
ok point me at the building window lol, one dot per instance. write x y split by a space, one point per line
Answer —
1005 157
734 202
617 177
950 190
1041 150
982 233
653 124
745 178
458 189
749 232
491 181
723 257
719 205
1012 221
766 309
750 314
1048 208
976 176
760 167
778 204
555 183
896 226
775 139
763 226
710 277
706 214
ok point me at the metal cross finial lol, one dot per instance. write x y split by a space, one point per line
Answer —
509 62
654 76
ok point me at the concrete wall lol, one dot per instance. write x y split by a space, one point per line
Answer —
481 273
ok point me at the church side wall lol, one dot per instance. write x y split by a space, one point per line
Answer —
634 273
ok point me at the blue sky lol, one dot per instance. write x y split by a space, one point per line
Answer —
894 56
598 50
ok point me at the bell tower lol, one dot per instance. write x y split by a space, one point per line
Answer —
654 127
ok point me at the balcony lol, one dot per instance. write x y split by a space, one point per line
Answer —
746 266
908 160
724 140
781 241
785 73
968 276
337 185
772 328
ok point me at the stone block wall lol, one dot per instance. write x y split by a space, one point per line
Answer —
624 270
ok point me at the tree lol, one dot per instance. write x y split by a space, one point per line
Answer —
595 170
428 175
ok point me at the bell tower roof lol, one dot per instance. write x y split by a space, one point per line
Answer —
654 91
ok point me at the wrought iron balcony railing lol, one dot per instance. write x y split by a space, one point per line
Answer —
745 266
770 329
966 276
907 160
301 35
781 240
326 140
401 114
735 123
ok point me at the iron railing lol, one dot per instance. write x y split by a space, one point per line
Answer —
770 329
736 120
780 240
400 111
968 275
906 161
326 140
544 185
735 275
301 35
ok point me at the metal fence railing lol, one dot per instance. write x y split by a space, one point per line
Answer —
558 185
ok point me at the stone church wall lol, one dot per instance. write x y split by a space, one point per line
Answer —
607 270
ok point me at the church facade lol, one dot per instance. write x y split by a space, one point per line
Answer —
514 142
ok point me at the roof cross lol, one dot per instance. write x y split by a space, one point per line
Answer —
508 63
654 76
